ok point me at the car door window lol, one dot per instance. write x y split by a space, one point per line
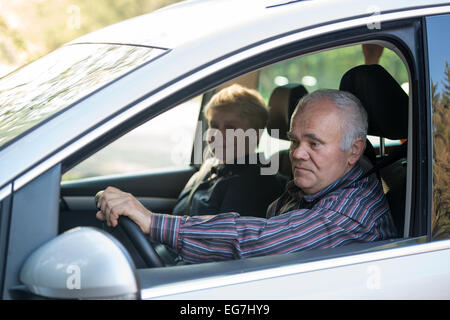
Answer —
439 86
163 142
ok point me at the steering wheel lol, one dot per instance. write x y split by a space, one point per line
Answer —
137 237
143 246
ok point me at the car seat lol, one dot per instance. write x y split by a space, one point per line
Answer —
387 107
282 103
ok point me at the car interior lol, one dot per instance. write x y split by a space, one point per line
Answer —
384 97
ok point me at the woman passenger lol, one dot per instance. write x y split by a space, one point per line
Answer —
231 180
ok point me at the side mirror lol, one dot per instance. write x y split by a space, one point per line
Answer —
82 263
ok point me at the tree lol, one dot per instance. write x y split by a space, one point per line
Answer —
441 159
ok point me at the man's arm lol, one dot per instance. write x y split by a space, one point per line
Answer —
220 237
228 236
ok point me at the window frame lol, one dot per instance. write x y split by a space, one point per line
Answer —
392 33
403 35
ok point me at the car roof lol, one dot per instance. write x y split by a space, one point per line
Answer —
194 20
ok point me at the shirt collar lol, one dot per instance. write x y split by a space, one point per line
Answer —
345 180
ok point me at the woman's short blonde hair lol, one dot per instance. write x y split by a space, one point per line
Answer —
248 103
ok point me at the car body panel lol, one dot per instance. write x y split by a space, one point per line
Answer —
373 275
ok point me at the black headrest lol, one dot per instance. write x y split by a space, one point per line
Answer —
383 98
282 103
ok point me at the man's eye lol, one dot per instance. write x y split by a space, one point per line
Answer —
314 144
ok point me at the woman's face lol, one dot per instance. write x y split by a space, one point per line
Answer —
225 139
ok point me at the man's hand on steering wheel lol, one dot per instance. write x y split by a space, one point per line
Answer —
114 203
135 221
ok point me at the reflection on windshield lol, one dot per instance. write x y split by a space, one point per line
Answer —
42 88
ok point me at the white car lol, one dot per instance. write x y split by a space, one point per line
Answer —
121 107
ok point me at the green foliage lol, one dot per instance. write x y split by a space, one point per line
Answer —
441 158
327 68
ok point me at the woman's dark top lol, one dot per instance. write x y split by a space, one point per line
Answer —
230 188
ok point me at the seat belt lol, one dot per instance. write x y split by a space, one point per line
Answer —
187 209
390 159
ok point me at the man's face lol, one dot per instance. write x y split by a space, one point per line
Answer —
315 154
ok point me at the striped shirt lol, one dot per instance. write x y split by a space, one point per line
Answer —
349 210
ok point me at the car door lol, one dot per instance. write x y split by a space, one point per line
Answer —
413 267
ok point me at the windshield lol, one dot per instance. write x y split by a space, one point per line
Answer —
35 92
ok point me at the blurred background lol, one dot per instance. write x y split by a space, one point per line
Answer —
30 29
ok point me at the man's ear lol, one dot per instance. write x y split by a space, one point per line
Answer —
356 151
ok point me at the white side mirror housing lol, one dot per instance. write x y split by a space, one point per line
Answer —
82 263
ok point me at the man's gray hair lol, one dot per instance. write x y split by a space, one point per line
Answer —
354 124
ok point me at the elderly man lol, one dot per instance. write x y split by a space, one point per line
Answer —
327 204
